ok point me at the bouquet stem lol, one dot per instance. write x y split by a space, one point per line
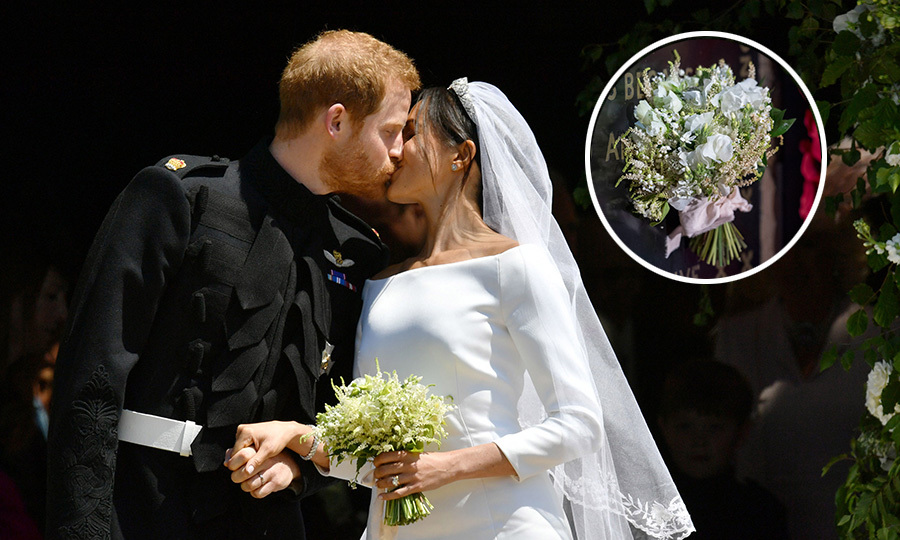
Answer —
407 510
720 246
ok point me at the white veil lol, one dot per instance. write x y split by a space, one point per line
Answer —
627 478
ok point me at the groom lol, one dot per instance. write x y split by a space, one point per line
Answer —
217 293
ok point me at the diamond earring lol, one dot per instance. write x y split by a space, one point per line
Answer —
453 167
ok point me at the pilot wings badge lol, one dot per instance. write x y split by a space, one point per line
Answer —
335 258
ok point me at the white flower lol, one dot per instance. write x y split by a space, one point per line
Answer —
693 97
744 93
716 148
695 122
878 379
648 118
893 154
892 247
666 98
844 22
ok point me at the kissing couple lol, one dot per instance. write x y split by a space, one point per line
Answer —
221 298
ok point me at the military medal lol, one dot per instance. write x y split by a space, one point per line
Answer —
174 164
340 279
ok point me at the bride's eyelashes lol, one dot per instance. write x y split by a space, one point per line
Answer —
409 131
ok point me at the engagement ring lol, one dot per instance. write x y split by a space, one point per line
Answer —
395 481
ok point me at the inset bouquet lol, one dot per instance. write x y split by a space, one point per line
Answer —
377 414
697 140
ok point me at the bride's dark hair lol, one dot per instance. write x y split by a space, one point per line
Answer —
441 111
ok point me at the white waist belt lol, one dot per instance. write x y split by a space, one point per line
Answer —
158 432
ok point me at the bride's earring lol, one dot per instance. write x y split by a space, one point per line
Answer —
454 167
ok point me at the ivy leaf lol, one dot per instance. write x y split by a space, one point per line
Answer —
865 97
862 294
870 134
888 306
832 203
870 356
794 10
809 26
868 26
835 69
887 70
850 157
835 459
893 422
781 127
876 261
846 44
890 396
857 323
847 360
824 109
889 176
862 508
828 358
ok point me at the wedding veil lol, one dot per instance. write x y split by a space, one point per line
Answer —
625 481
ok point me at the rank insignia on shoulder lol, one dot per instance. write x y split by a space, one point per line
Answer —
174 164
335 258
340 279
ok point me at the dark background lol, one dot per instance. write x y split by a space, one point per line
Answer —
93 92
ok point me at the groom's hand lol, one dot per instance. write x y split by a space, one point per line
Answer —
256 443
272 475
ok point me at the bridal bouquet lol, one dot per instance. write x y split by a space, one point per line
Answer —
377 414
697 140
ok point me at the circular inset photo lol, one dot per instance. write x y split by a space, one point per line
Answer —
704 157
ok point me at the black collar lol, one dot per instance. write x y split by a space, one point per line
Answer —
287 196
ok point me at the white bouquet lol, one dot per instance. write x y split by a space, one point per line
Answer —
697 140
377 414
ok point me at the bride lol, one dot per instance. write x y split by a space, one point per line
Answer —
546 439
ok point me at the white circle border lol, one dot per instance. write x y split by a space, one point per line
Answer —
611 84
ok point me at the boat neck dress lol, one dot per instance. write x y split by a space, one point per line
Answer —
472 330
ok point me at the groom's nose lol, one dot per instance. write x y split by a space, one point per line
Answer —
395 152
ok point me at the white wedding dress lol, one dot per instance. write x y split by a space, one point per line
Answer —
471 329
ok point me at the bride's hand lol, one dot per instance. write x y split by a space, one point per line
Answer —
256 443
414 472
272 475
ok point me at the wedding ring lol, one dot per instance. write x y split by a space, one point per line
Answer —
261 479
395 481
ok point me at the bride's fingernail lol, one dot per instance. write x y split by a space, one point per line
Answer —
249 469
227 455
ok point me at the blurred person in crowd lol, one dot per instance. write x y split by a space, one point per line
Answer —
27 388
775 330
35 307
704 415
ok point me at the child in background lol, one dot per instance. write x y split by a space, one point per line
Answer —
703 416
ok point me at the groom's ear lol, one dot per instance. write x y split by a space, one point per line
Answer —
336 120
465 153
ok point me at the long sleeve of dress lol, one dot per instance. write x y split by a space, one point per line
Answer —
543 329
138 248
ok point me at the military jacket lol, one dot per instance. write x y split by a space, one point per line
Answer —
218 292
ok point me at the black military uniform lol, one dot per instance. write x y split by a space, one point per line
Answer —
217 292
